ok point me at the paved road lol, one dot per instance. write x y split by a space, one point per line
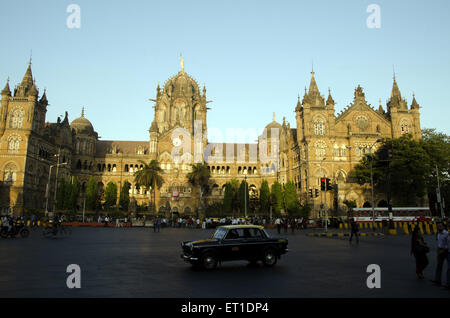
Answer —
139 263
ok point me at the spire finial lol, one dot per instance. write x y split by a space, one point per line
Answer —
182 62
393 70
312 67
82 111
31 57
273 116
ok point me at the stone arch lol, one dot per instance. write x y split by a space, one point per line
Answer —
10 171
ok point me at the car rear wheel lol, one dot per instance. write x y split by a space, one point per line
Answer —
209 261
270 257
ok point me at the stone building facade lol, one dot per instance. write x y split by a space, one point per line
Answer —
323 144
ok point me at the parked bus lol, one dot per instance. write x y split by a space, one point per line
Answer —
403 214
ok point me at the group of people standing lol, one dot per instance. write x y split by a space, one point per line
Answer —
419 249
292 224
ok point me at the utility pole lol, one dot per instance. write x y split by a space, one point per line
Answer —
438 195
325 206
245 196
56 179
47 190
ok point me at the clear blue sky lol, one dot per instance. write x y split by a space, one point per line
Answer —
254 56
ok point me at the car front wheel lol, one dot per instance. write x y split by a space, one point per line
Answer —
209 261
270 257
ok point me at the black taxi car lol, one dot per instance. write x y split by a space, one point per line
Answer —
235 242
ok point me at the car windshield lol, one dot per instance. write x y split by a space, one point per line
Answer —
219 234
267 234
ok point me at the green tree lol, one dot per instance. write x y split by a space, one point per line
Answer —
291 203
199 177
399 165
124 198
92 195
71 203
276 195
437 146
110 195
61 193
235 188
243 198
228 199
150 176
264 195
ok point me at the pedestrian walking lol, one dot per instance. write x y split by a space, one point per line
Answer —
442 252
158 223
419 249
278 224
155 221
354 230
293 225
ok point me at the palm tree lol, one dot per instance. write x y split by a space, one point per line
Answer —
149 176
199 177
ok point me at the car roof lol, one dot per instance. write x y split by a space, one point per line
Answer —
242 227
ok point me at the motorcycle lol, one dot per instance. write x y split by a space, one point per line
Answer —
19 229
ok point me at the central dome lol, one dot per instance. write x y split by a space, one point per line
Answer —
181 83
82 124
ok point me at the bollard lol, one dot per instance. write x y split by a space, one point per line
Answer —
434 228
340 226
427 229
392 231
346 226
421 230
405 229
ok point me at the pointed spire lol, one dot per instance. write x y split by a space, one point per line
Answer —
43 99
27 80
82 111
66 119
273 116
298 107
313 85
414 104
330 100
395 90
6 91
380 107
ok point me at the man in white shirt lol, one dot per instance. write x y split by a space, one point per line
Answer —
442 252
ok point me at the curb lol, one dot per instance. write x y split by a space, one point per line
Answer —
341 234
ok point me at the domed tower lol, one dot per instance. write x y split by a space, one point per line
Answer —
85 139
180 104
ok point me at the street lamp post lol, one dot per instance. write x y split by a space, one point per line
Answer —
47 190
56 182
371 183
245 196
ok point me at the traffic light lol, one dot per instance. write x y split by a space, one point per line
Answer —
310 193
328 184
316 192
322 184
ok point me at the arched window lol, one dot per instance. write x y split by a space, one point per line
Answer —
405 127
16 120
320 147
319 126
13 142
10 173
